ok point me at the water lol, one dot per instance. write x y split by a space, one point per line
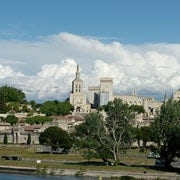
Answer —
33 177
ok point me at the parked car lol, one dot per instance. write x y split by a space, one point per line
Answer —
6 157
153 155
160 163
14 158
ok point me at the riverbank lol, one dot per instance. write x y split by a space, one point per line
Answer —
90 173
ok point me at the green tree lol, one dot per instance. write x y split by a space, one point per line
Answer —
64 108
29 139
107 138
166 130
5 140
33 104
56 108
138 135
11 119
37 119
56 138
3 106
90 138
137 108
49 108
12 94
118 123
145 135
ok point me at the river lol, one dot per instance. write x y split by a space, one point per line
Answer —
4 176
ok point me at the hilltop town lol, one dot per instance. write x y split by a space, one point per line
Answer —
82 105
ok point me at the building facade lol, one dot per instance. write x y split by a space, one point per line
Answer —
102 94
176 95
77 97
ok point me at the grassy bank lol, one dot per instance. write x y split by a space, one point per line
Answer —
132 161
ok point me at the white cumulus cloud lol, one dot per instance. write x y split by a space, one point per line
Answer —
44 68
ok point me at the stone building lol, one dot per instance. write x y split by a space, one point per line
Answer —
18 134
77 97
176 95
102 94
149 103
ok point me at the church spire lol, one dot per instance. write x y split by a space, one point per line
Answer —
78 74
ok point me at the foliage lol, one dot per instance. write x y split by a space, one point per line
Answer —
3 106
106 138
143 133
13 107
56 138
11 119
118 123
5 140
12 94
137 108
88 137
37 119
166 130
56 108
33 104
29 139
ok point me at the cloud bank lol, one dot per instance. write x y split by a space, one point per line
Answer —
44 68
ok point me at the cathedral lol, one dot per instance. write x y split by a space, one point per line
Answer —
77 97
97 95
102 94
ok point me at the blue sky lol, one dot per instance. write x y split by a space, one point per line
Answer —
128 21
136 42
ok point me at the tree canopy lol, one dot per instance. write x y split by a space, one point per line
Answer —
56 108
38 119
137 108
88 136
12 94
166 130
106 138
11 119
56 138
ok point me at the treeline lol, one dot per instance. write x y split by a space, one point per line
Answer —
109 138
13 100
103 137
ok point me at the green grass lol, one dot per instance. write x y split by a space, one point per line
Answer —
134 160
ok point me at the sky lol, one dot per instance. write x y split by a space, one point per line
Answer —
136 42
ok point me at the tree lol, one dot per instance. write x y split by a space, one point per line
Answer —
11 119
56 138
90 138
29 139
38 120
118 123
56 108
64 108
107 138
12 94
5 140
166 130
145 135
138 135
3 106
137 108
33 104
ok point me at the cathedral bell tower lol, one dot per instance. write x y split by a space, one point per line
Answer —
77 83
77 97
